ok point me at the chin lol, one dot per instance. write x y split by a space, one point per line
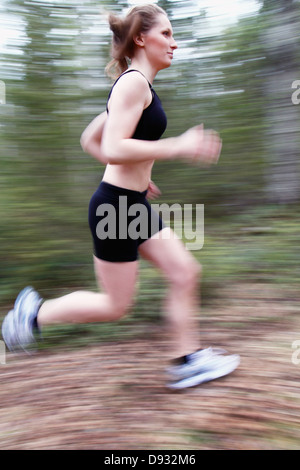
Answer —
166 65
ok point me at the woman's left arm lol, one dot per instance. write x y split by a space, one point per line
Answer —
91 137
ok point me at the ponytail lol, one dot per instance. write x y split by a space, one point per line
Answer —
122 46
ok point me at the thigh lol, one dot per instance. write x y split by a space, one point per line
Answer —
104 221
167 252
117 279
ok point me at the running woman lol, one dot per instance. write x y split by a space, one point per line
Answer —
126 137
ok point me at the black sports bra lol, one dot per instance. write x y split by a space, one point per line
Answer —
153 121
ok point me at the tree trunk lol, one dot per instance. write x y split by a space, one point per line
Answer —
282 116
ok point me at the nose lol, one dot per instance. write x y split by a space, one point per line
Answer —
174 44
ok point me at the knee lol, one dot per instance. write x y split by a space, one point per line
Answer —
187 275
119 308
192 273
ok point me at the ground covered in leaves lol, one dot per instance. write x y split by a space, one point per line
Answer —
112 395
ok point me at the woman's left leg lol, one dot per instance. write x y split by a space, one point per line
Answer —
169 254
193 366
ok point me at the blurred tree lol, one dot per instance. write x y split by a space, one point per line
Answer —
53 82
281 44
269 5
260 58
241 108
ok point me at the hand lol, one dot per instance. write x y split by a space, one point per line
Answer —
199 145
153 191
91 138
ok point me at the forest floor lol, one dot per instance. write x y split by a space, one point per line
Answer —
112 395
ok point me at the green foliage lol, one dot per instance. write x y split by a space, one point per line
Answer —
55 85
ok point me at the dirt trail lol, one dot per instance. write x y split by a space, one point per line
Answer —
113 395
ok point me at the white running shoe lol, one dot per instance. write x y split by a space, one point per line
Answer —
26 309
9 333
202 366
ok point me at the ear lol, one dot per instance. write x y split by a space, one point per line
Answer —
139 40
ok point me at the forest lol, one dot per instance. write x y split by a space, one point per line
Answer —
241 78
238 81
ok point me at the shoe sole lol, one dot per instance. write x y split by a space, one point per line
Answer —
207 376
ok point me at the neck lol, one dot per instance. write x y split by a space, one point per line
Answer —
145 68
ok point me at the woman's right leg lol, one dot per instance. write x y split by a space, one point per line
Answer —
117 282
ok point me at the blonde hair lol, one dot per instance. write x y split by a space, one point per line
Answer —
139 19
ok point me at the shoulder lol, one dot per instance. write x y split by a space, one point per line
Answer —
131 87
133 76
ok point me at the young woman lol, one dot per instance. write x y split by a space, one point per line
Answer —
127 139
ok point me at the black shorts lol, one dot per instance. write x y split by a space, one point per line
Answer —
120 220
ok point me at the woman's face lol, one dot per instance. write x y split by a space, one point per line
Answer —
159 43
